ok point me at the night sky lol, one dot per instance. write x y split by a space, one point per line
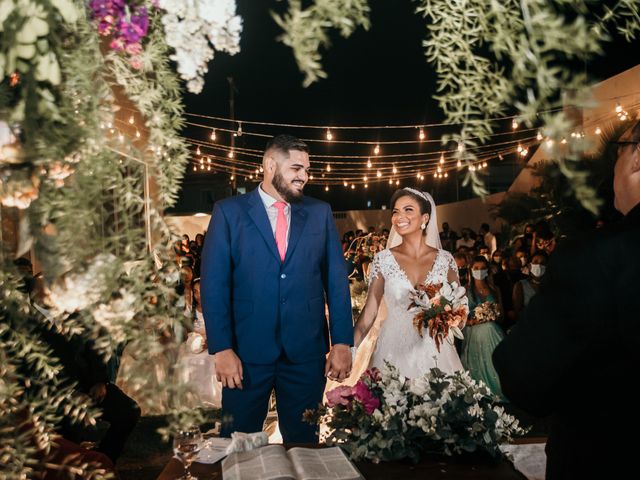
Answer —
376 77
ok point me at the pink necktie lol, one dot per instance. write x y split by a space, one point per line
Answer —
281 229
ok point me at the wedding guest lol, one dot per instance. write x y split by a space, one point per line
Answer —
466 240
448 237
543 238
463 267
525 289
488 238
506 280
576 343
481 334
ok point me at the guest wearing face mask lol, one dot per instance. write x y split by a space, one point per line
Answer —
463 267
482 335
526 288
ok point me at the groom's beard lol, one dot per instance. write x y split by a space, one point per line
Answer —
288 194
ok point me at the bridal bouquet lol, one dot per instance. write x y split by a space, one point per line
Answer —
442 308
483 313
386 417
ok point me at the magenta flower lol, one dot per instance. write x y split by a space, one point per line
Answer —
373 374
368 400
341 395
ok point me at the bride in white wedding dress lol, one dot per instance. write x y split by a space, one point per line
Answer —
413 256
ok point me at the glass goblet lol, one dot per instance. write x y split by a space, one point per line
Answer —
186 445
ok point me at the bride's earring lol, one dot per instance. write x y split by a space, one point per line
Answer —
423 225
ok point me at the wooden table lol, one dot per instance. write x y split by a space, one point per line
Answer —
431 467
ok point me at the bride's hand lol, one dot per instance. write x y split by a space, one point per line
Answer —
338 365
229 369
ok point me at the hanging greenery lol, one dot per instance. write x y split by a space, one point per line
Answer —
493 57
81 178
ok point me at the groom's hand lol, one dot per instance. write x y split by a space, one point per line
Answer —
338 365
228 369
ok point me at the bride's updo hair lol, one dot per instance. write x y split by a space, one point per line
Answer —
425 206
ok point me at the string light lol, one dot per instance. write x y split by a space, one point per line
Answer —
239 132
484 164
232 178
329 135
459 164
439 169
198 150
230 154
346 184
441 158
208 159
369 165
213 135
435 175
378 174
195 168
446 174
397 182
328 167
460 147
261 169
421 135
366 185
376 150
209 167
549 142
201 167
364 179
137 133
514 124
132 120
563 141
598 131
311 177
395 170
618 108
519 149
539 136
326 188
353 187
390 181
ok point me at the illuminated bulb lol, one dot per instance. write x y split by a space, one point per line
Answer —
421 177
208 159
390 182
442 158
328 168
514 124
524 152
201 166
121 138
461 147
446 174
137 134
261 169
213 135
208 167
232 177
397 182
598 131
194 167
618 107
435 175
520 148
563 141
329 135
395 170
421 135
459 164
198 151
376 150
418 175
539 136
364 178
623 117
353 187
369 165
230 154
346 184
326 188
549 142
202 161
439 168
132 120
484 165
366 185
378 174
250 177
310 177
239 132
257 171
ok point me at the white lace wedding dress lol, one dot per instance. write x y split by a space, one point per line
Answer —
398 341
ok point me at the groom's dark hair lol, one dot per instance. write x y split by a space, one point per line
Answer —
285 143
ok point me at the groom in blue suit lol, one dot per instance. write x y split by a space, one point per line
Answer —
271 259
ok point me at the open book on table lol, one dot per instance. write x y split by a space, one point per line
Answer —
273 462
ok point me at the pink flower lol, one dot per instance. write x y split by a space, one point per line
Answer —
341 395
362 393
133 49
117 44
373 374
135 62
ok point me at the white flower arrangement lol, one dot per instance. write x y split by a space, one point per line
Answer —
387 417
192 27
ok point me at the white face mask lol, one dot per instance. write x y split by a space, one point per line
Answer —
537 270
479 274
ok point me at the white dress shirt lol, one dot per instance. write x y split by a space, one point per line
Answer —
272 212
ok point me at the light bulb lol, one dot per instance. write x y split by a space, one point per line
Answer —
198 151
310 177
376 150
539 136
390 182
369 165
132 120
230 154
421 135
137 134
194 167
442 158
213 135
329 135
346 184
446 174
459 164
514 124
239 132
364 178
395 170
439 168
261 169
378 174
353 187
618 107
232 177
328 167
366 185
598 131
397 182
326 189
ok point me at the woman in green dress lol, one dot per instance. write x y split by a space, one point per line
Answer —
482 334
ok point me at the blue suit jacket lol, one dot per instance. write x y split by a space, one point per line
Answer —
258 305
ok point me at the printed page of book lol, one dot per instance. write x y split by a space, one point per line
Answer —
265 463
323 464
